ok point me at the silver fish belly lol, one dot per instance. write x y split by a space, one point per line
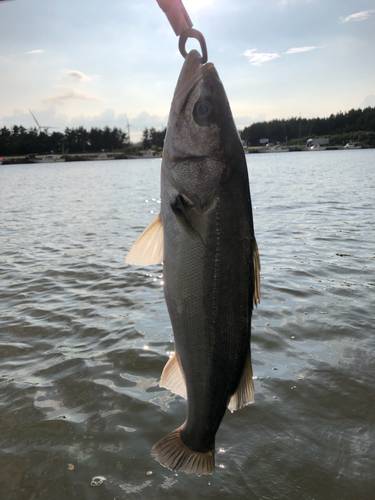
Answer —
205 237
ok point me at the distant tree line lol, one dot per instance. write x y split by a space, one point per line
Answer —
340 127
20 141
153 137
353 122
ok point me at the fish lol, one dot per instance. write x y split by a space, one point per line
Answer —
204 235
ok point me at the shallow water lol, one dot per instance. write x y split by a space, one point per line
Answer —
84 337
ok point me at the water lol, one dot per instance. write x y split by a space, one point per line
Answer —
84 337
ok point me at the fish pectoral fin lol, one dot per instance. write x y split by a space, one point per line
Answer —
148 249
244 394
173 378
256 275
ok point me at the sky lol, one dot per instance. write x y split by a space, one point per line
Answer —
96 63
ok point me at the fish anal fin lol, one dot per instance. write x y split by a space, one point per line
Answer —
256 275
173 378
172 453
148 249
244 394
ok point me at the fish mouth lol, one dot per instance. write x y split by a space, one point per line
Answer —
192 71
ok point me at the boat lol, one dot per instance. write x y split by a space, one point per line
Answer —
273 149
151 154
1 161
317 142
352 145
102 157
44 159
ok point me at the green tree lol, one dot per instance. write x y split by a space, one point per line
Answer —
146 139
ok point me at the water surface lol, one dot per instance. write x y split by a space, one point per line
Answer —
84 337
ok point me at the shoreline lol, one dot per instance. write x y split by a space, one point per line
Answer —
21 160
294 149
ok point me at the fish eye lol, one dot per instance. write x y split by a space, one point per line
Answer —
203 109
203 112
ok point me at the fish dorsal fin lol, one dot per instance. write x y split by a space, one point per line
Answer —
256 274
148 249
173 378
244 394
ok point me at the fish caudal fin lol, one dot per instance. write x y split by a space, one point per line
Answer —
256 271
172 453
148 249
244 394
173 378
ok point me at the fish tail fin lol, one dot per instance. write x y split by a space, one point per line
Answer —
172 453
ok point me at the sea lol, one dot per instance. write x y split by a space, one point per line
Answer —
84 336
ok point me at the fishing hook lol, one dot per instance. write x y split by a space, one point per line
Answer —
192 33
182 26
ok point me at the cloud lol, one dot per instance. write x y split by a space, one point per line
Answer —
296 50
193 5
284 3
245 121
68 96
258 58
110 118
359 16
78 76
39 51
24 118
107 117
144 120
369 101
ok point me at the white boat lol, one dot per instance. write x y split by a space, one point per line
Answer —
317 142
103 156
45 159
352 145
273 149
151 154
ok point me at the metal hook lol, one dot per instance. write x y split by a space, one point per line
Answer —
192 33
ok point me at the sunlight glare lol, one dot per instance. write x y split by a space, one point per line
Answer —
194 5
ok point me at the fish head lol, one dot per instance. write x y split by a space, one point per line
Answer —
200 130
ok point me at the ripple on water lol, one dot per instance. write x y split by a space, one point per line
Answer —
84 336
